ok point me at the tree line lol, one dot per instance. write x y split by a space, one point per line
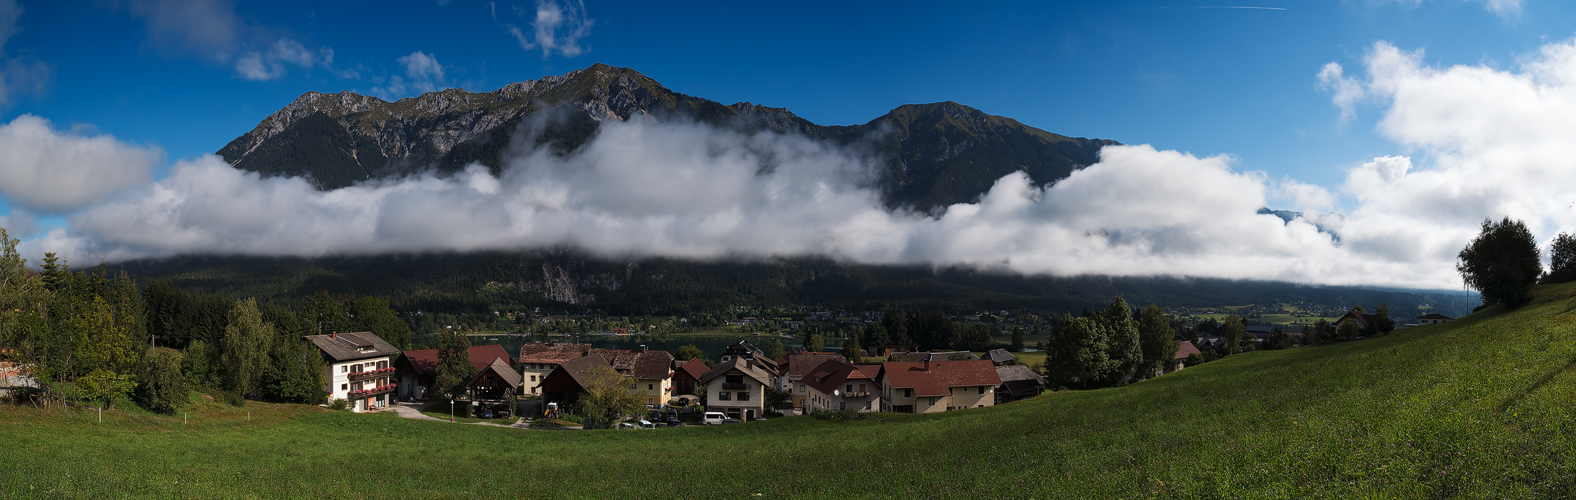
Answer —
86 335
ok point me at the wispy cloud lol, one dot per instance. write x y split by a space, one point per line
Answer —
423 73
212 30
558 27
47 170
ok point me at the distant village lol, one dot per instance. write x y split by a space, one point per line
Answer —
544 379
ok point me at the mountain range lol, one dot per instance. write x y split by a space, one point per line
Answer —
932 155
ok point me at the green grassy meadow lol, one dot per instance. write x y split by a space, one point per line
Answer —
1483 407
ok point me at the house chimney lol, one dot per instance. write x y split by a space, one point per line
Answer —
333 334
927 363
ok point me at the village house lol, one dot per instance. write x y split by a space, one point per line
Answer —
568 380
1018 382
538 360
1433 318
934 356
653 374
417 370
495 384
358 368
737 387
794 367
686 376
1184 349
1356 318
934 386
835 385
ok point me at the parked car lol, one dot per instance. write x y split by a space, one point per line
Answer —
713 418
675 423
727 421
673 414
759 419
645 424
653 415
626 425
487 413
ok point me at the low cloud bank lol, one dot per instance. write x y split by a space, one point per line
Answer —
1497 142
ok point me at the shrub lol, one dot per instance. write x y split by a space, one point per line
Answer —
339 404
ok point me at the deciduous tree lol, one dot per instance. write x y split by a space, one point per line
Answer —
1158 340
245 349
1502 263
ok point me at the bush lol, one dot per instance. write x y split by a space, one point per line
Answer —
339 404
164 388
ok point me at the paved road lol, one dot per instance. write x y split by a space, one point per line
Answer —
413 410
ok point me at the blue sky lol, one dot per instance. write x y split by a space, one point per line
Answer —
1203 78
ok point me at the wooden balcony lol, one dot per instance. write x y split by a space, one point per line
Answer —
733 386
373 392
370 374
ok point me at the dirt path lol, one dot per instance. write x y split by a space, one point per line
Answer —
413 410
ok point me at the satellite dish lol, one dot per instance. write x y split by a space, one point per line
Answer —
837 392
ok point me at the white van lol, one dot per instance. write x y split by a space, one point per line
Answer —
713 418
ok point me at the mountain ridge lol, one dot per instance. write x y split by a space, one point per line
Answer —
934 154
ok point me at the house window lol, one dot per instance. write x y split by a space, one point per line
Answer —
344 368
533 378
344 386
634 386
848 388
982 389
861 387
744 396
932 401
909 393
842 405
867 405
652 386
724 396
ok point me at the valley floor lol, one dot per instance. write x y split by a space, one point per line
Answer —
1480 407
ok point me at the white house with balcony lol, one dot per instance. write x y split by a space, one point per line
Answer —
358 368
737 388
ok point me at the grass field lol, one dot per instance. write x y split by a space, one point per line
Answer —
1480 407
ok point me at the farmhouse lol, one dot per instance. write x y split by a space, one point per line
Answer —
835 385
686 376
418 369
1184 349
934 386
358 368
737 388
569 379
1432 318
1000 357
794 367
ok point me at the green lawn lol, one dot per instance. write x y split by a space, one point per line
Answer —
1483 407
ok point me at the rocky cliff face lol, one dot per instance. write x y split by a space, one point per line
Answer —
935 154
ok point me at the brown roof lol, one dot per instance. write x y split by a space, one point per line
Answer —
352 346
1185 349
425 361
653 365
580 368
502 369
1012 373
932 356
872 371
831 374
695 368
999 356
552 353
800 365
741 365
936 378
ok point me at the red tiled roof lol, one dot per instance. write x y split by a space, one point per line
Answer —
832 373
1185 349
554 354
800 365
695 368
940 376
425 361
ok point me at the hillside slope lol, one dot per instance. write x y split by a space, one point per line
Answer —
934 154
1483 407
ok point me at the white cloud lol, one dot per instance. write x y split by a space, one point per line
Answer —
52 171
557 27
19 224
270 64
1347 91
641 188
425 74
